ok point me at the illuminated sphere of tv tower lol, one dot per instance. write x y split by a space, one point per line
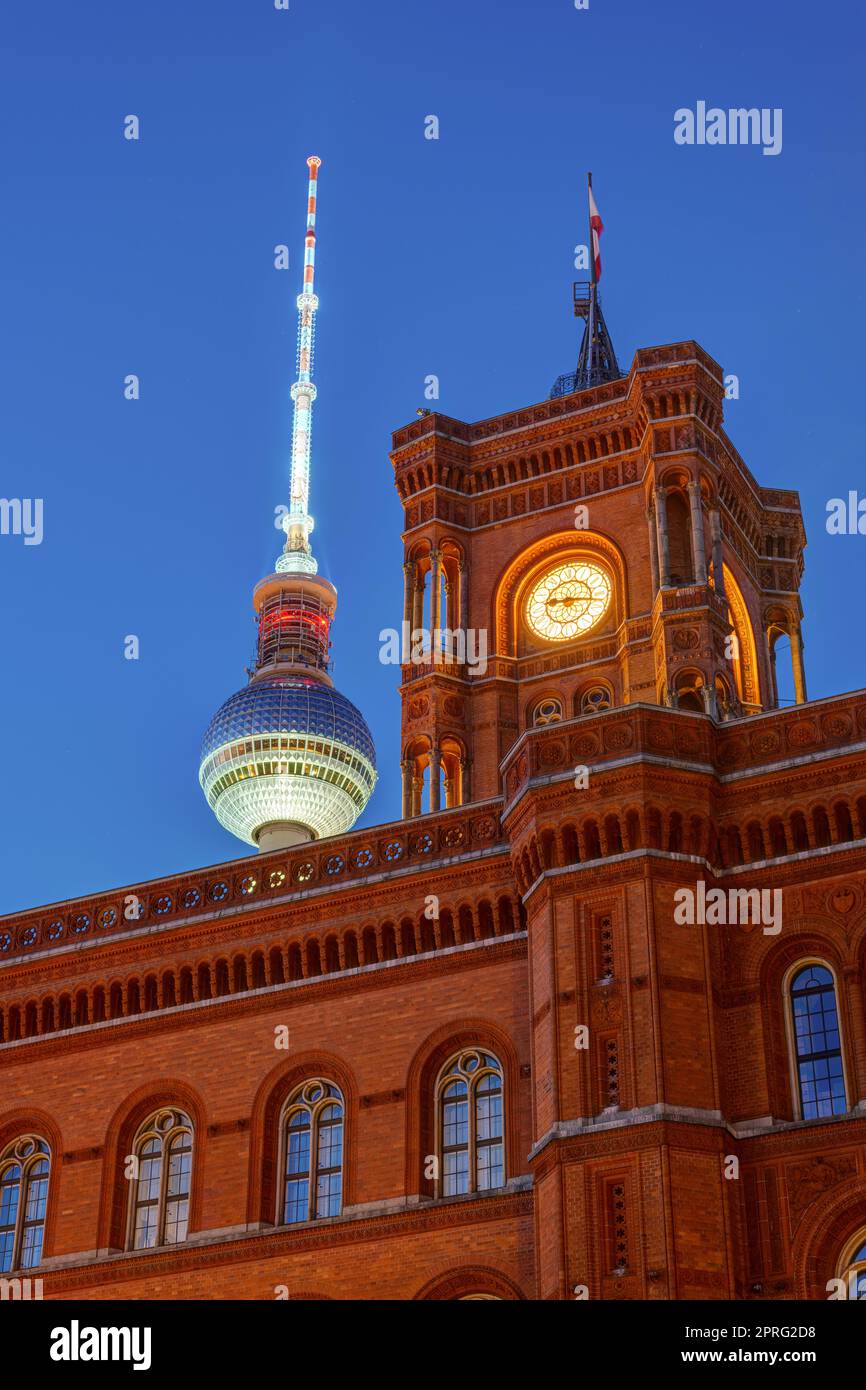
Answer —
288 758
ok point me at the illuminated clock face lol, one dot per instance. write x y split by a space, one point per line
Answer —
567 601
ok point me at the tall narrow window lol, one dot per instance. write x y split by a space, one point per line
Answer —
24 1171
313 1147
820 1076
161 1180
470 1124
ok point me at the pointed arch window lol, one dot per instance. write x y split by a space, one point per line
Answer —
160 1190
469 1116
819 1070
313 1123
25 1168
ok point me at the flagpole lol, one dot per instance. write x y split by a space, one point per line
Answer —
592 290
589 218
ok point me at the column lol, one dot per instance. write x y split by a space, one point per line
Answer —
708 695
463 597
435 573
447 618
799 669
418 601
408 591
774 685
856 1016
406 774
653 548
435 759
603 838
465 777
435 606
718 566
662 532
417 788
698 545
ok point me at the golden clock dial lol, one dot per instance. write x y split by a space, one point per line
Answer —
568 600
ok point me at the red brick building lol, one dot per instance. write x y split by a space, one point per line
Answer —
474 1053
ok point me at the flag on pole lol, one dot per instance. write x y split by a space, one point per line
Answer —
597 227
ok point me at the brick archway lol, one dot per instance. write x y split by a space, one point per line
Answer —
457 1284
811 939
831 1221
420 1082
154 1095
31 1120
264 1126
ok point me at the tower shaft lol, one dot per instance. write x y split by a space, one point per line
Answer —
297 556
289 758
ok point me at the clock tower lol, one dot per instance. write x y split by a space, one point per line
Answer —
602 548
629 581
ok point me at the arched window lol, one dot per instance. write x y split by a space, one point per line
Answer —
159 1197
679 539
723 698
596 699
24 1170
689 688
313 1148
547 711
817 1045
852 1267
469 1116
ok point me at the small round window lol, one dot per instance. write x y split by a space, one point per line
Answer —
547 711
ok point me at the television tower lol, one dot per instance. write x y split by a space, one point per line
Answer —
288 758
297 556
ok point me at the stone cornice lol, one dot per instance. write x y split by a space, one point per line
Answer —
206 1252
573 1140
582 405
386 974
615 867
759 746
376 855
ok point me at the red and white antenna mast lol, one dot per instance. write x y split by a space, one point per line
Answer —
297 556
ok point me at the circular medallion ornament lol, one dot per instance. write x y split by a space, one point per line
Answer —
568 601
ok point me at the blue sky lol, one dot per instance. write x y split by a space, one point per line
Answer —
451 257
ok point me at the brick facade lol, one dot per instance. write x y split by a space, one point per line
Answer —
555 914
